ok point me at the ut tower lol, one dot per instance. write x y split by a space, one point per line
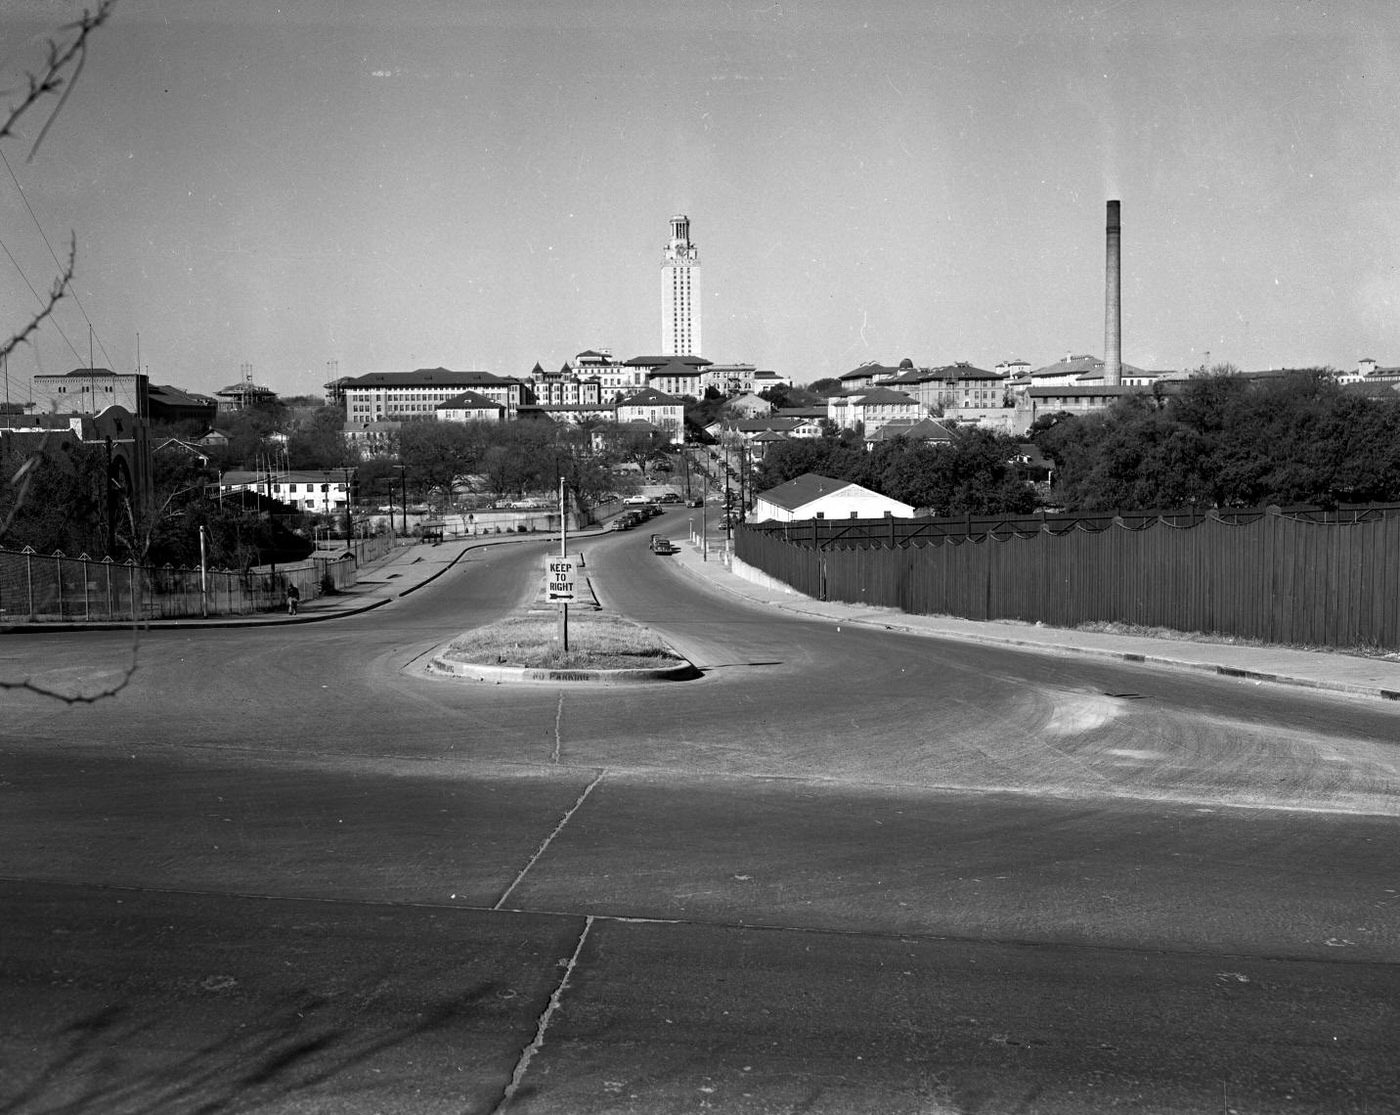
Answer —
680 292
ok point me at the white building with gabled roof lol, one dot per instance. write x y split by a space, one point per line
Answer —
812 496
470 406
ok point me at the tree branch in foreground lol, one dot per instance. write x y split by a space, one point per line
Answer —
54 79
77 698
56 293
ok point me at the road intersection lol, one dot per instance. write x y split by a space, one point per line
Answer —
848 869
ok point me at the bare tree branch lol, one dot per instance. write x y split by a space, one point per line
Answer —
56 293
59 75
79 698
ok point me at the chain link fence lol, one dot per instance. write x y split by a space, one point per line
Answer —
38 588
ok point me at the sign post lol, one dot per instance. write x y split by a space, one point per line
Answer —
560 583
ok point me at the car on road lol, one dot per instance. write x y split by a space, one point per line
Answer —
695 501
661 545
669 497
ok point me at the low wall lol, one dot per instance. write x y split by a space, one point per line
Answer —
470 524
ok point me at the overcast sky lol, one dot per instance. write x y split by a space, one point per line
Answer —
483 184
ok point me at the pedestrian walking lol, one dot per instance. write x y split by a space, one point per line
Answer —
293 598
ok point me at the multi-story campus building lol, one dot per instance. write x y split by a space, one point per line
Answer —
91 391
566 387
387 396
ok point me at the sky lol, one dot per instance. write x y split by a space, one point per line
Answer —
323 188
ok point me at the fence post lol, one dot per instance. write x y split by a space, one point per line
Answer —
28 553
58 556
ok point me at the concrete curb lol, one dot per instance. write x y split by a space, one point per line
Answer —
317 612
1145 660
476 671
1137 658
262 619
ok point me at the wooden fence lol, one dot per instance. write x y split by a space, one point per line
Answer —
1302 577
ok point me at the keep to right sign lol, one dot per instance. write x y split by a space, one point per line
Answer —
559 583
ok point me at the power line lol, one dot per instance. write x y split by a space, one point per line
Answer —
38 298
72 291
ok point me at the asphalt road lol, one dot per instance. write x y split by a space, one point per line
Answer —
283 869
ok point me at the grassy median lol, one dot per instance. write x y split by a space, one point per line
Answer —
597 641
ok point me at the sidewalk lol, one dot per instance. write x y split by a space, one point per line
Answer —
404 568
1341 673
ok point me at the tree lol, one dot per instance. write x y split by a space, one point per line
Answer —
437 453
250 439
707 411
56 498
29 489
22 494
320 441
970 475
1226 440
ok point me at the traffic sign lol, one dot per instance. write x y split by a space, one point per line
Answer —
559 584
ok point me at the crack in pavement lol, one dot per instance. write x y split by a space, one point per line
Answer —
523 1064
558 729
549 839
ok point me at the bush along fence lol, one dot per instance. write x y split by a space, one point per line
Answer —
1294 576
37 588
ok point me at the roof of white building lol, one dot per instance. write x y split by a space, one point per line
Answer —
651 397
470 400
430 377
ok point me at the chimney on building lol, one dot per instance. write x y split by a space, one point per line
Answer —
1113 302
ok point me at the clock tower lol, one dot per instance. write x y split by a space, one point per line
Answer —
680 292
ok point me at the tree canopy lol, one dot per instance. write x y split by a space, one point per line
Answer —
971 475
1228 441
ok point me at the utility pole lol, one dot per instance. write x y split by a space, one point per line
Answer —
203 574
563 556
349 540
743 474
704 506
728 503
403 482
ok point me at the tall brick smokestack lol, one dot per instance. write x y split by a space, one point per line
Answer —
1113 302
